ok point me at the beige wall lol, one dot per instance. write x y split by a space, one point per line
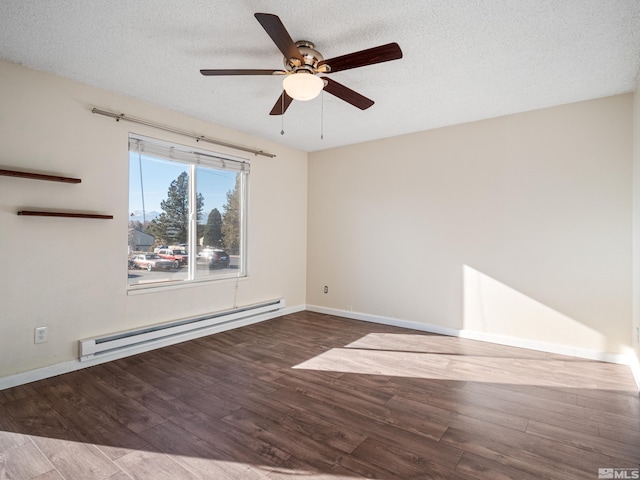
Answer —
70 274
518 226
515 227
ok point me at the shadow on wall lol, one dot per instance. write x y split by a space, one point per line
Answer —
494 308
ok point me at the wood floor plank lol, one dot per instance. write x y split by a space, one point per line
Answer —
34 415
306 473
319 391
16 393
335 385
9 432
295 444
209 403
303 420
450 405
579 413
620 434
143 465
483 468
231 442
625 405
174 440
222 366
496 442
320 397
591 443
197 455
119 378
408 460
55 475
534 392
91 420
76 459
499 450
110 400
147 370
383 424
241 381
120 476
533 412
23 460
115 452
165 404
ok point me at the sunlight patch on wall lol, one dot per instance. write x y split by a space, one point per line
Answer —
495 308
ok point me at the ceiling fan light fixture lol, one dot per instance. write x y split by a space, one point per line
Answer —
302 86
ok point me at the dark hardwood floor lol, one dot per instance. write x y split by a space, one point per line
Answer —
319 397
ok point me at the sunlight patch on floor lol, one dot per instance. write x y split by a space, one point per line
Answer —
449 358
31 456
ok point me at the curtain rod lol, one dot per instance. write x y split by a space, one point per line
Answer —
198 138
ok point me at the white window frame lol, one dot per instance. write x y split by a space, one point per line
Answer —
193 158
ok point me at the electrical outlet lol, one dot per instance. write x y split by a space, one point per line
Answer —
40 334
326 289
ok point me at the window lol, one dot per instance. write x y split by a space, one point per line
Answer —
187 214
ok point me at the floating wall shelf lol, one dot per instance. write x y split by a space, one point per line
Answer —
39 176
51 178
32 213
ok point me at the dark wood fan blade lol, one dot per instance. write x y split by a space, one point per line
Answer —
231 71
282 104
346 94
275 29
383 53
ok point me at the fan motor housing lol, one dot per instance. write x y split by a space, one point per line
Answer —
310 56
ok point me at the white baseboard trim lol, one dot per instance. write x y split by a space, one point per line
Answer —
73 365
66 367
482 336
394 322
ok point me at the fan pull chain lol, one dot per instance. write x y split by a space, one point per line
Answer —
282 116
322 115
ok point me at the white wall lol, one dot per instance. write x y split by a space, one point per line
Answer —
515 227
71 274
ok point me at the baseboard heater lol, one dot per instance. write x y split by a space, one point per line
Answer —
155 336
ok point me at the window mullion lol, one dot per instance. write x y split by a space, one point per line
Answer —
193 222
243 223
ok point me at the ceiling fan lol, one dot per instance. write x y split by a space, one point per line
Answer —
303 64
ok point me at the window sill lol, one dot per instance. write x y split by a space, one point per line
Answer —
142 289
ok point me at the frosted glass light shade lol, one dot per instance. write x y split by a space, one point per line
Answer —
302 86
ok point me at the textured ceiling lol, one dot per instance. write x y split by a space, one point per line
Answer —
464 60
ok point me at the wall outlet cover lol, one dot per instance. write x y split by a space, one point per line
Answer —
40 335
